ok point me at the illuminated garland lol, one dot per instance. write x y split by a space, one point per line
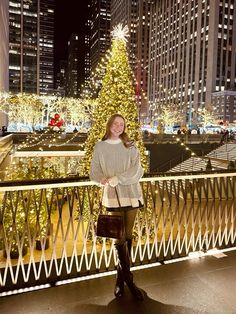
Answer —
192 153
178 140
35 141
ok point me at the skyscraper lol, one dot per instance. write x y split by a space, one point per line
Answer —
31 33
72 67
84 83
4 39
61 78
4 55
46 45
87 38
136 15
192 53
100 30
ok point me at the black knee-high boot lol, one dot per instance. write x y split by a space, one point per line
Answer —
119 286
129 246
124 264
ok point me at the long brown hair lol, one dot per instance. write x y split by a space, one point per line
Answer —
124 136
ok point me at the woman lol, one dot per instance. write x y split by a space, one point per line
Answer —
116 165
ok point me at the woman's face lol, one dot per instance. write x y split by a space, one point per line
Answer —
117 128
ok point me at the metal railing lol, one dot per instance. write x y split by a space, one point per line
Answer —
6 144
48 228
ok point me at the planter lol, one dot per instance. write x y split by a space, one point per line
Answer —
14 253
41 244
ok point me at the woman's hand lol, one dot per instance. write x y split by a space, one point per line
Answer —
104 181
113 181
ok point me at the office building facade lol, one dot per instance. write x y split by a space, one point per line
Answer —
4 39
61 78
192 54
136 15
72 75
87 58
4 55
31 46
46 45
100 31
224 103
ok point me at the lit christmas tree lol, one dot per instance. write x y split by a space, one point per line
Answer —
116 96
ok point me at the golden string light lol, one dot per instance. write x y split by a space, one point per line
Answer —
54 137
178 140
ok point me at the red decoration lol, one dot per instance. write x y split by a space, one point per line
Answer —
56 121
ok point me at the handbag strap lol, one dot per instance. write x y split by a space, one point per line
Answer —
117 196
100 202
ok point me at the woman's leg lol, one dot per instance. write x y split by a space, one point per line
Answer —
119 286
129 217
129 222
123 253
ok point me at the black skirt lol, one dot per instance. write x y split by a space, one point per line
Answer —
123 208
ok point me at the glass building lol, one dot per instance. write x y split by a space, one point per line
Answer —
31 44
72 67
100 30
87 59
4 55
46 45
136 15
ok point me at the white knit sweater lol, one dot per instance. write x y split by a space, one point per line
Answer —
112 159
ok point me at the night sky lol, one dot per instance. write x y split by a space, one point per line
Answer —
70 17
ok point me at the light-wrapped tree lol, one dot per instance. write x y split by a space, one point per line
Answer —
207 116
24 108
117 95
73 111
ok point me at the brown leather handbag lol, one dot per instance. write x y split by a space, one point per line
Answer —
110 226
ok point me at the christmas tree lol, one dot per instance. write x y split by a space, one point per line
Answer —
116 96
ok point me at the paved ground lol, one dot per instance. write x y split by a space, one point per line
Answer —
203 285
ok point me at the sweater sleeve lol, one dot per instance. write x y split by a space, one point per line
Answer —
96 172
134 172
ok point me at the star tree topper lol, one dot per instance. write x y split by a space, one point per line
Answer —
120 32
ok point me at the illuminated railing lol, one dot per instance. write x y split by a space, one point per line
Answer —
6 144
47 230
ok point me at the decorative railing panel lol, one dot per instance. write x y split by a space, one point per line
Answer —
47 231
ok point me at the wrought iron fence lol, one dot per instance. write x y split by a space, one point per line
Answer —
48 230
